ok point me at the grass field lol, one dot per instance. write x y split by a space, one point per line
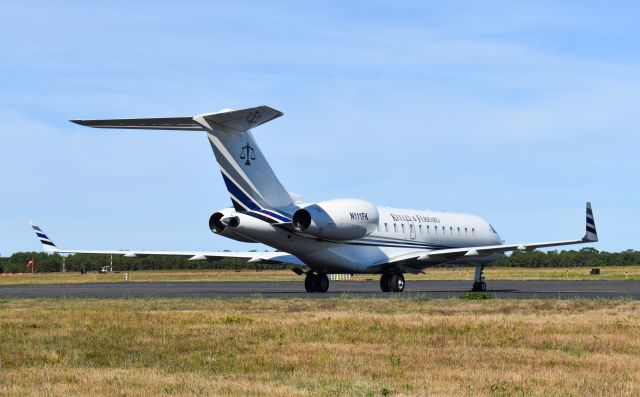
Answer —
460 273
289 347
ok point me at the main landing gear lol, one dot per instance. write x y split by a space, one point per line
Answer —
392 282
316 282
478 284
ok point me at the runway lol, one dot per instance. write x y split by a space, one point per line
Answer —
283 289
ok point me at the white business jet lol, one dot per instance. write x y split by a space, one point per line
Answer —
335 236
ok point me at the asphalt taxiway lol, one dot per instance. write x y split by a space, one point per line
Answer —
280 289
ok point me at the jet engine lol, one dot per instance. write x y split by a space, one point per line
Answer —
217 226
341 219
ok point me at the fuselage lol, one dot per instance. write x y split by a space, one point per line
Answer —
399 232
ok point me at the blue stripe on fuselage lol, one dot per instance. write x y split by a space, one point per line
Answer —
394 241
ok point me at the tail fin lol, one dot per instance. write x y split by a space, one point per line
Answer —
591 234
47 245
251 182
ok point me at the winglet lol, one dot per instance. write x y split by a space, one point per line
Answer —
47 245
591 234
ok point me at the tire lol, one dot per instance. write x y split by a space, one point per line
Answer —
479 286
384 283
322 283
309 282
396 282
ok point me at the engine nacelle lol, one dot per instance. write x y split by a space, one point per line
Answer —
341 219
216 225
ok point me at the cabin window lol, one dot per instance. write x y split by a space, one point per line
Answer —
386 227
428 230
451 230
395 227
466 232
458 232
443 230
473 231
402 225
420 227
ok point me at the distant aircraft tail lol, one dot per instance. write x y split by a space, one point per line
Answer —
252 184
47 245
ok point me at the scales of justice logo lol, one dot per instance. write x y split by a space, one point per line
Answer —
247 154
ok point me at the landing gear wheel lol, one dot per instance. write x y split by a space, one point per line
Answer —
309 282
479 286
396 282
322 283
316 282
384 283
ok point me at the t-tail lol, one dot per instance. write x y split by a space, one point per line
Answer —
250 181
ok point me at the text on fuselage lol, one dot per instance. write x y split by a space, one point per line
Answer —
359 216
415 218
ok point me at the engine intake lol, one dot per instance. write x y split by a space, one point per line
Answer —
301 220
214 222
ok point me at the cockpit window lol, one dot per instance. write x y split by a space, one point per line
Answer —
492 229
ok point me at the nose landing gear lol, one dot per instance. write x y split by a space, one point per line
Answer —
478 284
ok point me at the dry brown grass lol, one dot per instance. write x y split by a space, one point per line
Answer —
299 347
458 273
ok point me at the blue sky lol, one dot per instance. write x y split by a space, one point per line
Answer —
516 111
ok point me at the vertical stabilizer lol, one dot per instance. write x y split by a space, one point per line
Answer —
251 182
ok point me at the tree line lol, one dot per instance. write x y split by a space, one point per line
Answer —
17 263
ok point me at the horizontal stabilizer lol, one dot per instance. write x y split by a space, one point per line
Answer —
226 120
158 123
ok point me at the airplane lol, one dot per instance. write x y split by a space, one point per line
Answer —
345 235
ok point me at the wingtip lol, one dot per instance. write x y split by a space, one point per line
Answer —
591 234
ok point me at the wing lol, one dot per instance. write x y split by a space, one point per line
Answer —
252 257
409 260
590 236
